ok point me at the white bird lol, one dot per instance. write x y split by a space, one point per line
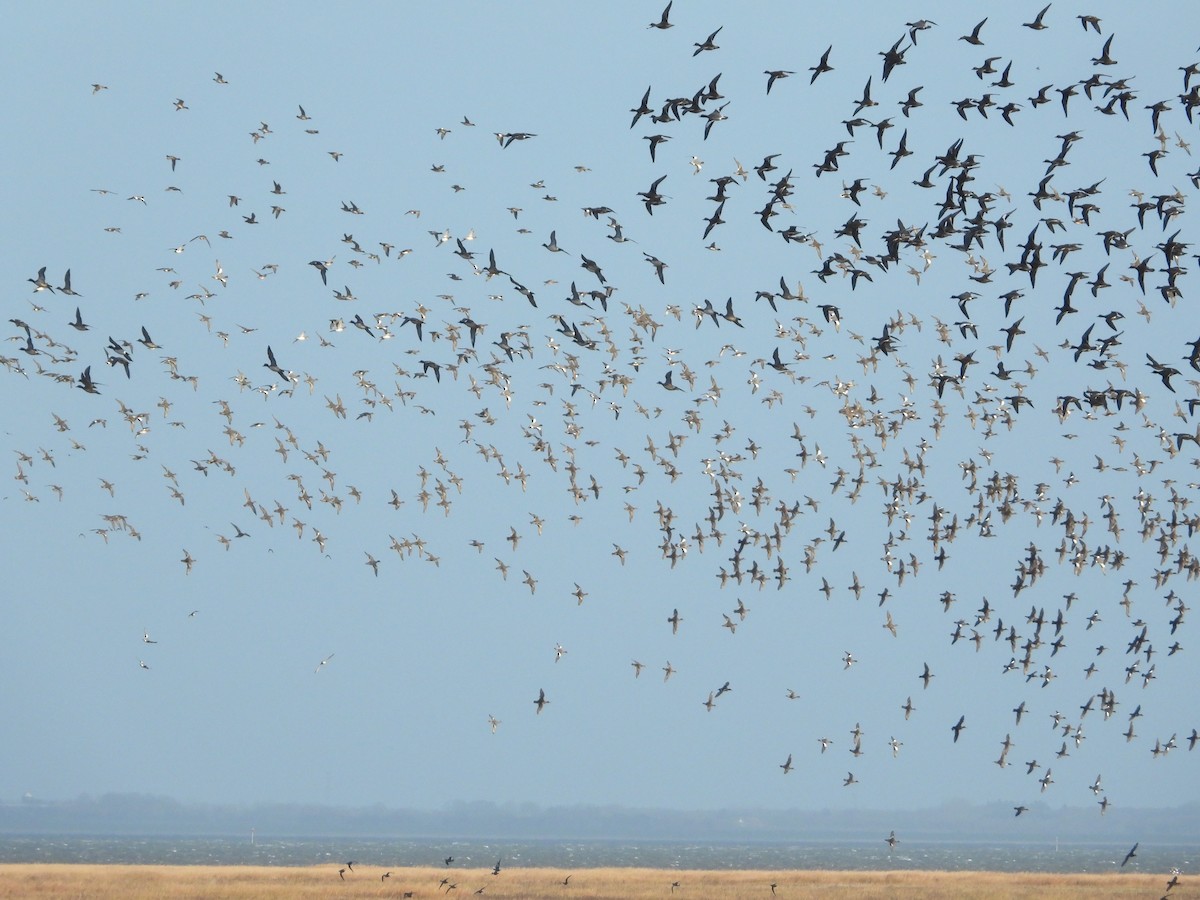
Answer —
323 662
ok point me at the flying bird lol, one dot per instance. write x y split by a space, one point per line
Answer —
662 23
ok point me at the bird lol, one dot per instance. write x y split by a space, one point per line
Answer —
541 702
662 23
272 365
1130 855
66 285
774 75
39 282
643 110
1037 24
322 266
708 43
973 37
926 676
822 65
958 727
323 663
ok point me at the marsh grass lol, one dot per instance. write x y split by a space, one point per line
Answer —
31 882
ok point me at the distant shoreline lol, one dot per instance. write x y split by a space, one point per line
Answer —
910 854
141 815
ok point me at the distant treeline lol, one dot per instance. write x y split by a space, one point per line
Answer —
140 814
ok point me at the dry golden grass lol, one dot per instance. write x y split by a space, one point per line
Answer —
30 882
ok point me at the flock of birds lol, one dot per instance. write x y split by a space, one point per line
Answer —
449 884
850 404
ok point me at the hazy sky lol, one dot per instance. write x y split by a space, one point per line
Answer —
572 454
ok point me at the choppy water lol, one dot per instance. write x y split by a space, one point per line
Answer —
225 851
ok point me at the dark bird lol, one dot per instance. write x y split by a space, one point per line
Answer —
40 283
973 37
958 727
714 220
1130 855
911 102
708 43
1104 59
902 151
866 100
322 267
85 382
832 315
642 110
774 75
822 66
655 140
893 57
273 365
66 288
658 264
1037 24
652 197
662 23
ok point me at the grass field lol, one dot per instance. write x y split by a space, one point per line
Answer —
29 882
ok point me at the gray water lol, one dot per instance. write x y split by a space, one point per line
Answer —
567 855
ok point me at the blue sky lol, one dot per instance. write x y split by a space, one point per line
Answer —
231 708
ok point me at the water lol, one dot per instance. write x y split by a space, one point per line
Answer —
265 851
